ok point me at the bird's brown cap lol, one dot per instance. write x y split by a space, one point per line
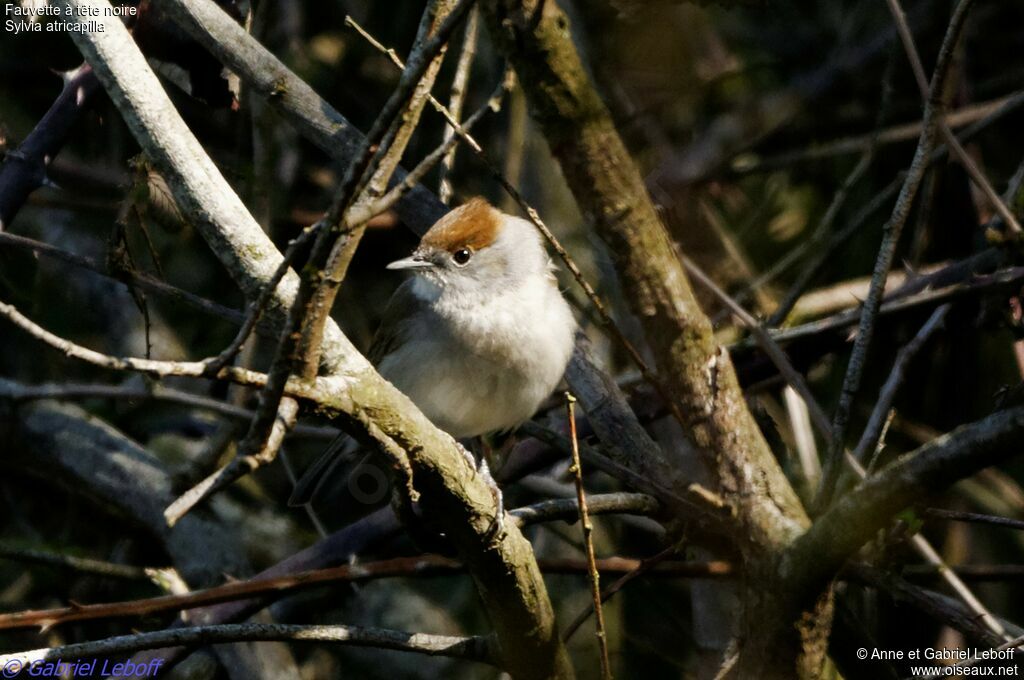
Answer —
474 225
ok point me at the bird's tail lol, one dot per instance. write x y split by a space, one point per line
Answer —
341 449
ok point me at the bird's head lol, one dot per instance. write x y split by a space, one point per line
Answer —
477 249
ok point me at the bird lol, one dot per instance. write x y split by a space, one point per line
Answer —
478 337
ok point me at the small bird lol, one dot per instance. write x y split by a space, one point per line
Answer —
480 334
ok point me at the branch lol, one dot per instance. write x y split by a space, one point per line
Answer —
817 555
576 469
109 467
979 179
139 279
872 435
24 170
567 509
934 108
470 649
288 95
609 189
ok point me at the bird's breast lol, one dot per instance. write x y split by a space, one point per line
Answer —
479 368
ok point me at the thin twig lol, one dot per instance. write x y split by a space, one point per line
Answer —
859 143
873 431
975 173
886 252
765 341
470 648
193 369
239 466
1002 279
410 181
272 588
146 392
135 278
644 567
257 307
820 231
932 557
83 565
588 529
977 518
459 87
534 217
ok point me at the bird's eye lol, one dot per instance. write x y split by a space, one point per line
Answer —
461 256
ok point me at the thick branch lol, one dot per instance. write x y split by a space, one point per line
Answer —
24 170
453 495
853 520
289 95
610 190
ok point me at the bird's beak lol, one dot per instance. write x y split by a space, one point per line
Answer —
414 261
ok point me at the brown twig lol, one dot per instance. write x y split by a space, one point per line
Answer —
644 567
588 529
280 586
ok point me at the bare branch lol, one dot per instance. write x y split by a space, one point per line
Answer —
588 529
855 517
891 233
979 179
873 431
24 169
470 649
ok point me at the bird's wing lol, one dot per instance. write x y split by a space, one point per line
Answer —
394 326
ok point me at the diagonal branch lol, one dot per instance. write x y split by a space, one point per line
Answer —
454 496
973 171
818 554
609 189
934 109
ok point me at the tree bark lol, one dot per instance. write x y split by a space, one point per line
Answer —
535 37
